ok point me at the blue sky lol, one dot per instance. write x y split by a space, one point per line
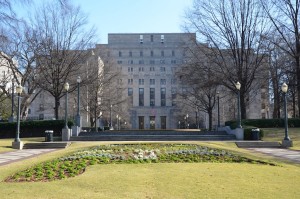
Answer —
134 16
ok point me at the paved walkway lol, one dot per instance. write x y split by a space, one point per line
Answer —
13 156
287 154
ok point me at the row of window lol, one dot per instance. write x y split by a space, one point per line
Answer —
162 53
152 81
152 96
151 69
151 62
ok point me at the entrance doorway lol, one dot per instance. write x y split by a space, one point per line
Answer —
141 122
152 122
163 122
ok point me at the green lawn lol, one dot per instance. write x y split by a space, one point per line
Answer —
277 134
168 180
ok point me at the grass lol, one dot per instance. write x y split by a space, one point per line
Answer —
277 134
6 144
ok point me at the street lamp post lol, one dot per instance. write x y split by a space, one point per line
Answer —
19 91
218 98
17 144
110 124
78 117
178 124
117 121
238 87
11 119
66 86
286 141
66 132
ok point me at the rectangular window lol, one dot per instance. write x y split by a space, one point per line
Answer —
151 38
152 54
162 81
163 96
130 91
173 53
141 69
141 53
141 97
130 54
152 81
173 61
152 96
130 81
173 99
141 39
152 68
119 62
162 38
141 81
162 61
162 53
162 69
120 54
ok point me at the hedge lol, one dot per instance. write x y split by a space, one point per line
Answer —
248 132
32 128
265 123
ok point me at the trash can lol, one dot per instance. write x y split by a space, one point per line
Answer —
49 136
255 134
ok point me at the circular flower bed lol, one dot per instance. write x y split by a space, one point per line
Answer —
75 164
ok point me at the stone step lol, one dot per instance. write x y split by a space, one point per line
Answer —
151 132
154 138
258 144
46 145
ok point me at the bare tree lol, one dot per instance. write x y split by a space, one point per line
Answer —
62 39
232 30
284 15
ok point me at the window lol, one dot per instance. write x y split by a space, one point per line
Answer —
120 54
162 38
163 82
130 69
130 54
162 69
152 62
141 81
173 90
152 53
162 61
152 96
130 81
152 122
152 81
173 61
152 68
163 96
141 53
29 111
130 91
141 61
141 97
141 69
130 61
163 122
119 62
151 38
173 53
141 39
162 53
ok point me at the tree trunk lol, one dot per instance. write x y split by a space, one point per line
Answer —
56 108
298 79
210 119
243 106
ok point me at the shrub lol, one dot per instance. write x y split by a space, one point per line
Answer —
32 128
265 123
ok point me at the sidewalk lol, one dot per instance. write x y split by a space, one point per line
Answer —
287 154
14 156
